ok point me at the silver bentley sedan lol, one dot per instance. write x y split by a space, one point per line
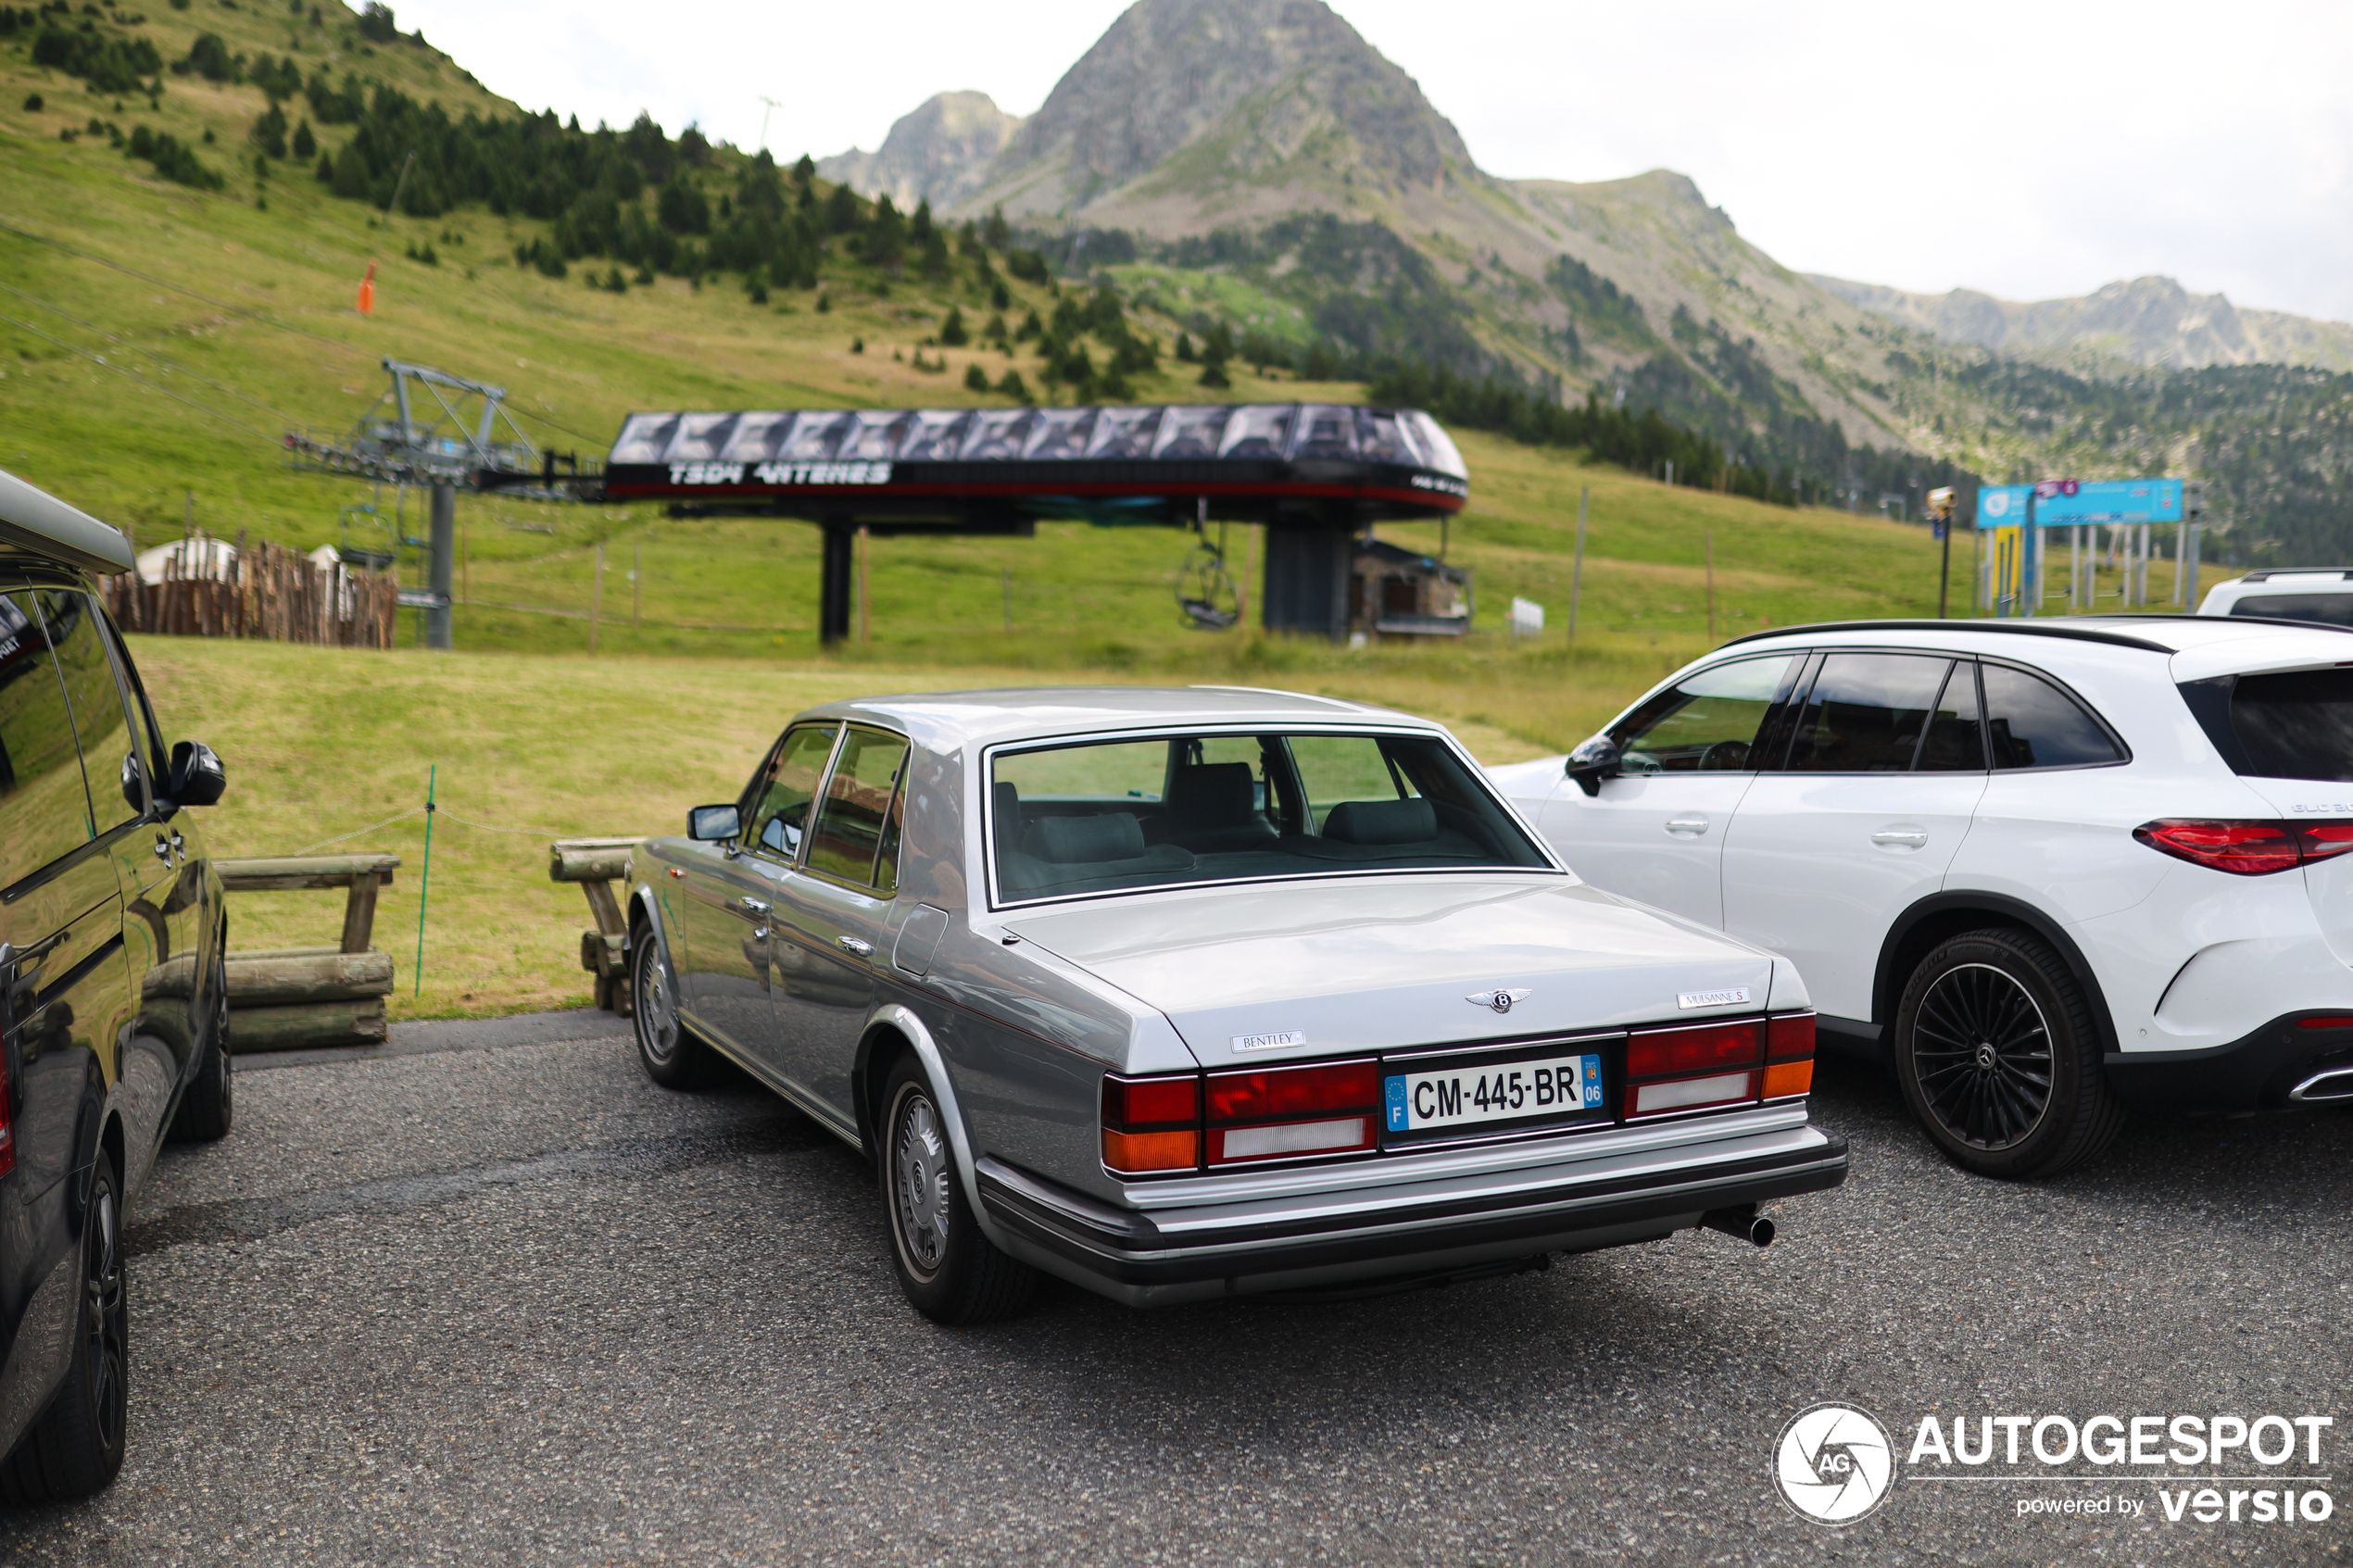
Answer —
1189 994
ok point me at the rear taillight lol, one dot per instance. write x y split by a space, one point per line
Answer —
1151 1124
1709 1064
1288 1112
2247 849
1789 1055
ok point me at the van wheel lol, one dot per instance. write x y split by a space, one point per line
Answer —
1998 1059
671 1056
76 1446
951 1273
208 1108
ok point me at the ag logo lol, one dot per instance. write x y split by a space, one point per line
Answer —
1833 1464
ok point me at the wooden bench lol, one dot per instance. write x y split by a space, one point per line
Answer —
290 999
596 864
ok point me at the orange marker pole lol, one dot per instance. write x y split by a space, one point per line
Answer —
368 292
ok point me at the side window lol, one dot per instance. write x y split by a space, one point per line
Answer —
79 638
1705 723
1955 743
45 809
1866 712
2034 724
781 792
856 822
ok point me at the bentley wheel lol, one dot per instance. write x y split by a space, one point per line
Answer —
671 1056
950 1271
76 1446
1998 1059
208 1108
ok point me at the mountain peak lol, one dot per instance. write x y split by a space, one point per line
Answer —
1185 106
940 151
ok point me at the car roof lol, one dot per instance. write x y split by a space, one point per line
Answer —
946 719
2151 633
37 523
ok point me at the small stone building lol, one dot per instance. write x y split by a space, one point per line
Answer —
1400 592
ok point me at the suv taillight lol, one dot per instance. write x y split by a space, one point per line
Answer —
2247 848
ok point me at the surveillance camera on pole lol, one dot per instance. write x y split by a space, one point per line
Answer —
1940 503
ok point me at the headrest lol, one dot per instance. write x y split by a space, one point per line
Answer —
1382 821
1007 801
1213 795
1112 835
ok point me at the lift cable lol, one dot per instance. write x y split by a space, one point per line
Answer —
170 366
143 380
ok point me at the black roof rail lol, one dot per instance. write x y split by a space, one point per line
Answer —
2017 628
2267 573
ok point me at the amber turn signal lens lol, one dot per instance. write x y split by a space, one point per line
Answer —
1784 1079
1138 1152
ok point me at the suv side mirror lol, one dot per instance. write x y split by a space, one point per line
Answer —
709 824
197 778
1594 762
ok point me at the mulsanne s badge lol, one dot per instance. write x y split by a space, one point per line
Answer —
1833 1463
1501 1001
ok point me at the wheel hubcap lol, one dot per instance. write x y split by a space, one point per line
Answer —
919 1169
1982 1051
657 1012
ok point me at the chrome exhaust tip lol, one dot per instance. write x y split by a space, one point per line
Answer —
1742 1223
2325 1088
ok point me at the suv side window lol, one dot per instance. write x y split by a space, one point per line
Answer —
1956 742
1866 713
45 809
781 792
2033 724
1708 722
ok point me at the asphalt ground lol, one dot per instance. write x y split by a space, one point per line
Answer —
488 1297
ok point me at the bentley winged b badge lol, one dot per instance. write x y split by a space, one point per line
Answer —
1500 1000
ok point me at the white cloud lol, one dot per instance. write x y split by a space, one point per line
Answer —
2028 149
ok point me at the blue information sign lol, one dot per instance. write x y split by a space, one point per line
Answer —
2068 503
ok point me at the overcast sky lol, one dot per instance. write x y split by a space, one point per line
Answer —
2031 150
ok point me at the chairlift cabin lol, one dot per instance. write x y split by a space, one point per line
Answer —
1316 475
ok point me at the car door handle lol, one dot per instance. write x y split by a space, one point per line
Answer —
1688 827
1901 838
163 850
754 905
863 949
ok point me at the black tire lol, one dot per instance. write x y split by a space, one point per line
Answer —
666 1048
952 1273
1998 1058
209 1105
76 1446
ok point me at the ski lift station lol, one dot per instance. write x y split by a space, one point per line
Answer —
1319 477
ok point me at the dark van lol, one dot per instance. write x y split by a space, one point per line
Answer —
113 989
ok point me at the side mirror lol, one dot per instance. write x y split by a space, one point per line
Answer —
709 825
196 777
1594 762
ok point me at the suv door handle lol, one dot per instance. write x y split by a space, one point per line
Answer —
863 949
754 905
1690 827
1901 838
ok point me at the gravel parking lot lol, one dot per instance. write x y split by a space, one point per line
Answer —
494 1299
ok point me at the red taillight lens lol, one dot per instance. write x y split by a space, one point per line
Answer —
1697 1049
2247 849
1288 1112
2332 1021
1151 1124
1789 1055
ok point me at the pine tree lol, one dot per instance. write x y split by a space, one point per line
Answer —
976 379
996 233
951 331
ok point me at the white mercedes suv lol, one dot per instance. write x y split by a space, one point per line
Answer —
2046 868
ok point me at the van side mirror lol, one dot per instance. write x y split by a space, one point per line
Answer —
709 825
197 777
1594 762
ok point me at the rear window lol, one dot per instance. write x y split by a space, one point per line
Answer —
1125 815
2296 724
2329 610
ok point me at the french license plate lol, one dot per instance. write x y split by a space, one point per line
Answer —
1506 1091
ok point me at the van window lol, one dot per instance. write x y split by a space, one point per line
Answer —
45 808
79 639
2034 724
